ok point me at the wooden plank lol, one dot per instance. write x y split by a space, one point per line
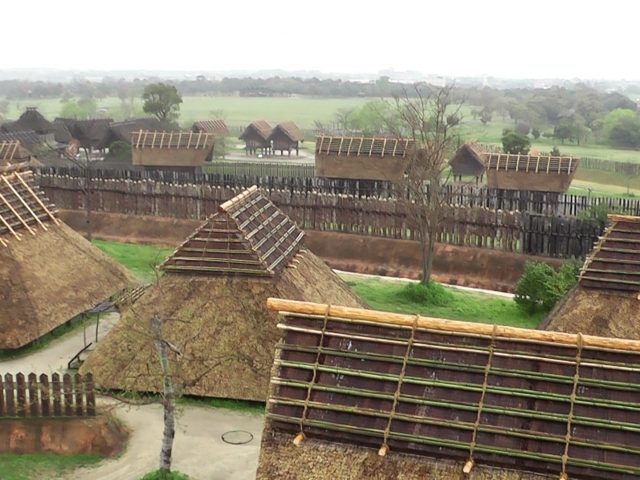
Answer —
45 396
437 324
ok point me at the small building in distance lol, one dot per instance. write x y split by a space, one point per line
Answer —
256 138
123 131
606 300
186 151
286 136
528 172
468 162
30 120
218 128
361 158
91 134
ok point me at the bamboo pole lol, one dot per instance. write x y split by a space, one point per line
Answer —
292 307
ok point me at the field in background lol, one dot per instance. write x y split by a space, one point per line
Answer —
239 111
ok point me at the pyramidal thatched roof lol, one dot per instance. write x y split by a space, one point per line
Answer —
32 119
48 273
606 300
212 300
249 236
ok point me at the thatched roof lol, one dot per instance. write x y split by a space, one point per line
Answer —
614 264
260 128
216 127
92 133
31 119
219 322
362 146
530 164
170 140
289 130
28 138
606 300
249 236
366 384
123 131
61 132
49 273
468 160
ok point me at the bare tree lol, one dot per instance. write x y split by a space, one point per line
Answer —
429 118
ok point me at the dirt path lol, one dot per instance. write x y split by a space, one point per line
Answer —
55 356
198 449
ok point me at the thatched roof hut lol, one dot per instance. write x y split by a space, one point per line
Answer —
530 172
256 137
360 158
606 300
468 161
366 394
286 136
49 273
123 131
216 127
212 298
177 150
33 120
92 133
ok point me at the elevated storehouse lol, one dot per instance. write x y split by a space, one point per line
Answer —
361 158
256 138
171 150
285 137
528 172
468 162
218 128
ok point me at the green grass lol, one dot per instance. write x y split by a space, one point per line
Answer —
41 465
255 408
391 296
173 475
140 259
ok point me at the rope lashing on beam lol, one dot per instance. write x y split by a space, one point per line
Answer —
300 437
487 369
574 391
396 396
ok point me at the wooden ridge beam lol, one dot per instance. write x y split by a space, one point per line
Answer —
292 307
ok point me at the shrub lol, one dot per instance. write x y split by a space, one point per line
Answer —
540 286
431 293
160 475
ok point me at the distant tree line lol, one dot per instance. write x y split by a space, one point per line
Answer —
576 114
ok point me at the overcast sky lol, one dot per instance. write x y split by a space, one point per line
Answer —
516 39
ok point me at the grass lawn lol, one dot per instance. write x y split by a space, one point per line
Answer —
473 307
41 465
140 259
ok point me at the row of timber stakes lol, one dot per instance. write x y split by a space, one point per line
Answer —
37 396
509 231
301 179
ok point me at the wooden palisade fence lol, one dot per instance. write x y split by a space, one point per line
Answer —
40 396
510 231
299 178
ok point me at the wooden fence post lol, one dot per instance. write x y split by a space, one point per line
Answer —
2 406
45 396
79 391
89 392
57 406
9 395
34 400
68 395
21 395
